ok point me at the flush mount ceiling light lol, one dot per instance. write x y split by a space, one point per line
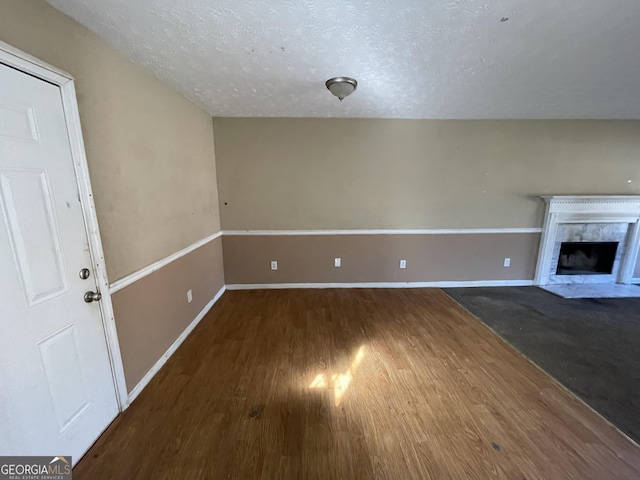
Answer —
341 86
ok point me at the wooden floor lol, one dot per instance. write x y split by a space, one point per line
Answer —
342 384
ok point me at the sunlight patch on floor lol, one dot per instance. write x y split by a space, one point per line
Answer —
339 382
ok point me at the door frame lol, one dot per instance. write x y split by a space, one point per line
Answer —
30 65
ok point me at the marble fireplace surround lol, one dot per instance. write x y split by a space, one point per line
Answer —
588 215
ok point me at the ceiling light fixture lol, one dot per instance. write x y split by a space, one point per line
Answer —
341 86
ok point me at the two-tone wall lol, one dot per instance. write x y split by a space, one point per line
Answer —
454 198
152 165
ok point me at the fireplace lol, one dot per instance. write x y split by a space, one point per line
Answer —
589 240
586 258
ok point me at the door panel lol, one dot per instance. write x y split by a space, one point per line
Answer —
34 233
56 388
18 123
60 358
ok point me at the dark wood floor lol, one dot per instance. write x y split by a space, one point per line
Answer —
342 384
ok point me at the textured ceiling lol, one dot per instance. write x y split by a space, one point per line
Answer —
412 58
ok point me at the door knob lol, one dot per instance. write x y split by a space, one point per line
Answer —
92 297
84 273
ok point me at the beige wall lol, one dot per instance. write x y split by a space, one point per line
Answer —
150 151
152 312
355 173
376 258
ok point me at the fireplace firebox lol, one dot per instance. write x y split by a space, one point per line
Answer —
586 258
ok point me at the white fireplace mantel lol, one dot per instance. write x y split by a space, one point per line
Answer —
562 209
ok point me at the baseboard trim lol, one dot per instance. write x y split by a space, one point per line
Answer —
149 269
171 350
385 231
449 284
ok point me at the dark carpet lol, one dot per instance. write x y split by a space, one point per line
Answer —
591 346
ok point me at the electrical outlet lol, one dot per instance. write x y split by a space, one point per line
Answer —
507 262
274 265
403 264
337 262
189 296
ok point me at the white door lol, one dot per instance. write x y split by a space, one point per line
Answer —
57 393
